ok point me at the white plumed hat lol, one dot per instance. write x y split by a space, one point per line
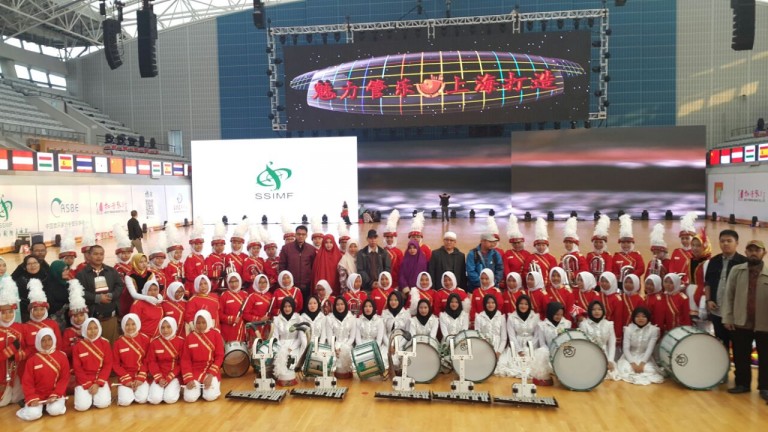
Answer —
687 227
317 227
9 293
123 243
159 245
513 230
417 225
76 298
68 247
264 234
219 234
36 294
240 231
343 232
198 232
625 228
392 221
254 236
174 238
569 233
657 238
542 236
492 227
88 239
288 231
601 228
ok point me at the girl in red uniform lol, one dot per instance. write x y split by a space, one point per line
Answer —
655 300
92 362
353 295
128 361
486 287
540 297
231 303
201 360
285 279
380 293
174 305
561 292
45 378
586 294
204 299
450 286
149 314
632 298
11 348
677 310
164 363
613 302
38 318
134 281
78 313
513 290
259 304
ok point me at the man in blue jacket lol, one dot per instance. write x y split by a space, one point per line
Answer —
484 256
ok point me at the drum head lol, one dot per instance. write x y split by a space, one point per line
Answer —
579 365
236 363
483 361
426 365
699 362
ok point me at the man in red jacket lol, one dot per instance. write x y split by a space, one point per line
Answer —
297 257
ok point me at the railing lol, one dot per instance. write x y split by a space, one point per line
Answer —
746 130
41 132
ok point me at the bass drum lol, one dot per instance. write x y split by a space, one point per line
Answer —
425 366
693 358
262 347
483 361
313 365
367 360
236 360
578 363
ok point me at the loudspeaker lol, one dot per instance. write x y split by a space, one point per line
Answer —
147 26
110 30
258 14
743 24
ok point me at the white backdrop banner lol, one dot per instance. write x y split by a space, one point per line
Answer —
62 208
110 205
743 194
276 177
149 201
178 205
18 213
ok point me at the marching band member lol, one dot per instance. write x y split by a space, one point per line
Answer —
601 332
195 265
347 266
659 264
492 228
396 316
214 262
157 260
92 364
164 363
5 275
253 264
135 280
12 352
381 292
677 307
325 266
655 300
353 295
540 260
631 298
417 226
235 260
149 313
45 378
272 263
323 290
486 287
68 253
395 254
549 329
201 360
129 362
612 301
424 322
88 239
204 299
343 237
421 291
260 303
538 293
586 294
342 326
515 258
450 287
600 260
174 271
560 291
492 326
414 263
315 317
317 234
694 270
289 235
232 304
681 255
454 318
291 341
628 260
576 263
510 292
78 313
370 328
123 251
175 306
522 330
38 318
636 364
286 290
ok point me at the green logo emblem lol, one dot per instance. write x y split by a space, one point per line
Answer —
5 208
273 177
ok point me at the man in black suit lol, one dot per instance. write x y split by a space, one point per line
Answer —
718 270
134 231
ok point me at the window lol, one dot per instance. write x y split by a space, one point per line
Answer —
31 46
13 41
58 80
39 76
22 72
51 51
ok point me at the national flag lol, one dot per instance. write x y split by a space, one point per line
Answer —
84 163
737 155
66 163
167 168
714 157
178 169
116 166
101 164
131 166
3 159
763 152
157 169
725 156
44 161
749 153
23 160
144 167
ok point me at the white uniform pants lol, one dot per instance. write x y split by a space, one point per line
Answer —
168 394
84 400
127 396
209 394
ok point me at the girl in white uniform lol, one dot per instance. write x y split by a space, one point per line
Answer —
424 322
454 318
342 326
554 325
314 316
636 364
492 325
600 331
522 329
370 328
291 342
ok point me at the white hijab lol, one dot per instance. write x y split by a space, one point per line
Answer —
675 278
611 278
136 320
538 281
418 281
389 276
172 289
635 281
280 279
39 340
656 280
256 284
517 278
197 284
174 327
84 329
563 277
236 276
491 278
208 319
351 282
589 281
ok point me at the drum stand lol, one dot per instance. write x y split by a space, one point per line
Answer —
523 393
461 389
265 387
325 386
403 385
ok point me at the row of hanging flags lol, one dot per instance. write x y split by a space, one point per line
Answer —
23 160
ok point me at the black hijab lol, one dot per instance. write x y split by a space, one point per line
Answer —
399 307
423 319
340 315
486 299
292 302
641 310
552 309
523 315
373 312
313 315
589 310
451 312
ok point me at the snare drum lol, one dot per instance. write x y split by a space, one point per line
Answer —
367 360
578 363
236 359
262 347
693 358
313 365
425 365
483 361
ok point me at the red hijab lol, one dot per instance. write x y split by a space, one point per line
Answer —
326 264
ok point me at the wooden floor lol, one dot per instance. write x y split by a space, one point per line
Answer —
615 406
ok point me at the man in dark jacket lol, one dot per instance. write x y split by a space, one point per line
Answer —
371 261
718 270
448 258
134 231
298 257
484 256
103 287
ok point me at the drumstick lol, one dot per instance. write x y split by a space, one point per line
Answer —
55 400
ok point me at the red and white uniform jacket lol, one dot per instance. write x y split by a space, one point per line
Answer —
194 266
230 304
216 270
202 354
174 272
379 296
514 261
164 358
45 375
396 259
209 302
546 262
11 358
129 358
92 362
634 259
176 311
282 293
150 316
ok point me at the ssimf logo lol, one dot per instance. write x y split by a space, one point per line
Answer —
59 207
274 179
5 208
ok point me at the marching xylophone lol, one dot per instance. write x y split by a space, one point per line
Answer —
327 393
268 396
475 397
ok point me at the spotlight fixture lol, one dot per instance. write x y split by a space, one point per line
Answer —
606 77
295 39
596 69
308 38
590 22
543 26
550 216
644 215
573 124
529 25
597 214
337 36
527 216
587 124
560 24
668 215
